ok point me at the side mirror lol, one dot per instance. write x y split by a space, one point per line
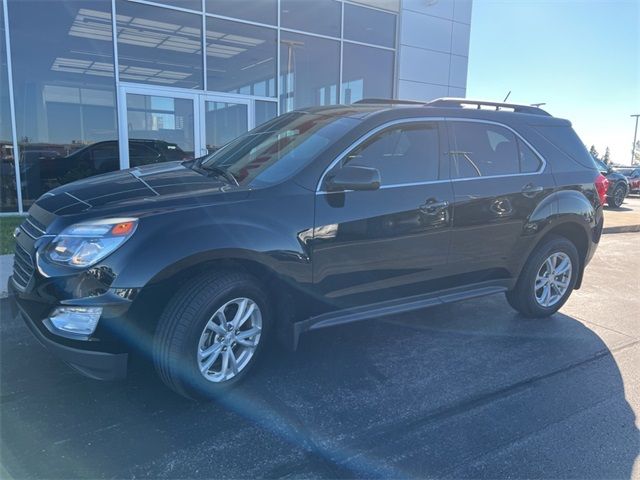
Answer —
353 178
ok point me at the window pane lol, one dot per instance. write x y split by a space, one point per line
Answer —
262 11
393 5
160 129
241 58
159 46
224 121
317 16
529 161
310 71
482 150
190 4
64 91
369 26
367 72
265 111
8 194
405 154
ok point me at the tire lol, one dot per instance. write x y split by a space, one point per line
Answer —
185 332
617 198
525 298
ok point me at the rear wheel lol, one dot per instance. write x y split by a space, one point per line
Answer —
211 334
617 198
547 279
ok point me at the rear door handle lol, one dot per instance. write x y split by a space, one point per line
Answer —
531 190
432 206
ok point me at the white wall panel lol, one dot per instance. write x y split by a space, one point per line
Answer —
425 31
408 90
424 66
462 11
460 39
458 75
439 8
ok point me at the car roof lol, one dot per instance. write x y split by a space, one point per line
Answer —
445 107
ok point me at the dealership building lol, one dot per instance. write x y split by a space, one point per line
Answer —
91 86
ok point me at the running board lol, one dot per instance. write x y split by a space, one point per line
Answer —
394 307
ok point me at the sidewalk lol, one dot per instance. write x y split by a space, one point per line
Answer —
625 219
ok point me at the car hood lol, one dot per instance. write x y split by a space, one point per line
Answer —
152 186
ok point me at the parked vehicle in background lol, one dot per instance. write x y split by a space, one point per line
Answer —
618 184
633 177
316 218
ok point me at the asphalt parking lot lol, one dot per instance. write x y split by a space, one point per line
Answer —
469 390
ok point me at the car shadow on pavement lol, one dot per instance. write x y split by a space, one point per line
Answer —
469 390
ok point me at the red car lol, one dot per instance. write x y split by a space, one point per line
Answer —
633 175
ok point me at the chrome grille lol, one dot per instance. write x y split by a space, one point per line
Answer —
23 267
33 228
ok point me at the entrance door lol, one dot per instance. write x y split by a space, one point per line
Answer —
223 119
157 125
164 124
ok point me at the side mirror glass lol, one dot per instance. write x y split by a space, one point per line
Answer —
353 178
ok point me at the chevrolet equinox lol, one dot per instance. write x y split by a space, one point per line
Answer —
316 218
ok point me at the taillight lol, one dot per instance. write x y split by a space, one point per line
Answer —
602 185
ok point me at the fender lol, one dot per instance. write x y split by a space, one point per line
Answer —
166 244
560 211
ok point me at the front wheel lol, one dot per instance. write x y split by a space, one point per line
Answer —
547 279
617 198
211 334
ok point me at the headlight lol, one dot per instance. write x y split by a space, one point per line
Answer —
83 244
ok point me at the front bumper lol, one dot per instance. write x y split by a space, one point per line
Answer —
101 362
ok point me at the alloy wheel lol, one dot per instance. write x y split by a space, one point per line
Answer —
229 340
553 279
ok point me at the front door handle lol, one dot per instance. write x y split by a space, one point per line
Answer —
530 190
433 206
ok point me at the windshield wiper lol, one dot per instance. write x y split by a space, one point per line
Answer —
221 172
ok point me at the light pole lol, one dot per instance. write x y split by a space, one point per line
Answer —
635 136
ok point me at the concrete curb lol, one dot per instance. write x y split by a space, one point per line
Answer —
622 229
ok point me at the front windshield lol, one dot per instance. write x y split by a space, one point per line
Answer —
279 148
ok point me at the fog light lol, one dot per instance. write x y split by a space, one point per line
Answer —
76 320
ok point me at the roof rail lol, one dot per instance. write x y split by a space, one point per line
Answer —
461 102
387 101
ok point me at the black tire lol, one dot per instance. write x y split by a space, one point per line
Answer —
523 298
181 325
617 197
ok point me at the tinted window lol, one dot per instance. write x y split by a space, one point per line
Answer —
310 71
404 154
369 26
262 11
317 16
529 161
241 58
158 45
481 150
64 90
367 72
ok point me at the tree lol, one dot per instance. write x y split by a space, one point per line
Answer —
607 157
594 152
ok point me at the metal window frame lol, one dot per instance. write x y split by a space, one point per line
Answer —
425 119
12 110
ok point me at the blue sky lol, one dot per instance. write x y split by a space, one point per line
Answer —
581 57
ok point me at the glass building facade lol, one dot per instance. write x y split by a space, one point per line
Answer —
92 86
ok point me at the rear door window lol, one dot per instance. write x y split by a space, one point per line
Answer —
483 150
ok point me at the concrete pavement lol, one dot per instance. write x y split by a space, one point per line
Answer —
469 390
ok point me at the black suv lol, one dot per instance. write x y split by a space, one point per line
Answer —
618 187
314 219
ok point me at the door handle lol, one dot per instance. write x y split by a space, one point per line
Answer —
530 190
432 206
